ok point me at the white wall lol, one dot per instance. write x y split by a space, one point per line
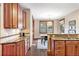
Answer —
56 27
36 29
31 33
0 19
72 16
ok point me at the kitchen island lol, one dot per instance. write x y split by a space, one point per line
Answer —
63 44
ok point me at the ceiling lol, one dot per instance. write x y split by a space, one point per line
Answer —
50 10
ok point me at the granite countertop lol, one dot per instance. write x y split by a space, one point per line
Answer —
12 39
65 38
68 39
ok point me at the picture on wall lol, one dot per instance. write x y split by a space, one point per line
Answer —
72 27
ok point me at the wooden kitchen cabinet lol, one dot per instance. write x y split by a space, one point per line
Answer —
59 48
9 49
24 20
14 49
20 48
27 19
7 15
77 48
70 48
68 43
15 15
10 15
65 48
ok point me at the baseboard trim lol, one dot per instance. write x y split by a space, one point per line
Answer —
49 53
37 38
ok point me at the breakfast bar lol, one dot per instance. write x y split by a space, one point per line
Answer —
63 44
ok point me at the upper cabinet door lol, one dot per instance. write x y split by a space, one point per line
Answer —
24 19
15 15
6 15
11 15
26 24
20 22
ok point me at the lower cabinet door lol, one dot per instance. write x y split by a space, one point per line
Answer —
20 48
9 49
59 48
59 53
77 50
23 48
70 50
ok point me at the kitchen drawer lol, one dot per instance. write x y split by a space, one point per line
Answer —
59 42
59 53
70 50
71 42
60 47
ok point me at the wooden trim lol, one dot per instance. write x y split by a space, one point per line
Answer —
54 48
63 19
46 27
24 47
33 27
11 13
49 53
17 14
65 47
37 38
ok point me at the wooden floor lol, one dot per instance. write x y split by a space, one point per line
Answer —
36 52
